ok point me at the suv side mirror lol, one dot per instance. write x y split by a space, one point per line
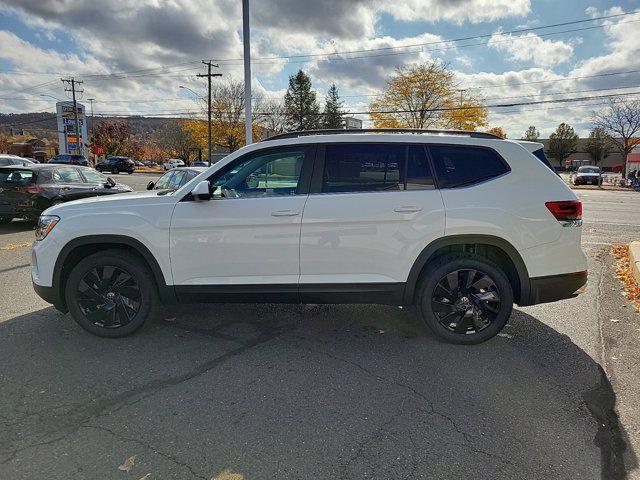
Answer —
150 185
201 191
110 183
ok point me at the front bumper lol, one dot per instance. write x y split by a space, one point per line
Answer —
50 295
556 287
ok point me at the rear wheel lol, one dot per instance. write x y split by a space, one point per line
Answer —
5 220
115 171
111 294
465 299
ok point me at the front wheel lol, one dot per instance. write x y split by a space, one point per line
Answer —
465 299
111 293
5 220
115 171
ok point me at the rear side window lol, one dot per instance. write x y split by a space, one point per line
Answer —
375 167
458 166
543 158
67 175
17 177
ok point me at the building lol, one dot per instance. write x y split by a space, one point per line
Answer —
40 149
351 123
582 157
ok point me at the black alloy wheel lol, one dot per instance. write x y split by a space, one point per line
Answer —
109 297
464 298
465 301
111 293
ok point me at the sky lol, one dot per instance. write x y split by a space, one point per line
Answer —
133 55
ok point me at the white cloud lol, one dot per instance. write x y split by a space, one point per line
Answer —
459 11
529 47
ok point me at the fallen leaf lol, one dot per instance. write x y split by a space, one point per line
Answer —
146 477
228 475
128 464
615 320
170 319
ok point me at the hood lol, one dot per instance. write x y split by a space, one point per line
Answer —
114 201
587 174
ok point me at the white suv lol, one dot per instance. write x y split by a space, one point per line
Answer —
173 163
460 224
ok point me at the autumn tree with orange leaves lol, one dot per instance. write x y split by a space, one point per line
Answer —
497 131
425 96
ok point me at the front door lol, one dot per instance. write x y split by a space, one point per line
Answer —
248 234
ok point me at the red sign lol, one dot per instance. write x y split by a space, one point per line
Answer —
98 150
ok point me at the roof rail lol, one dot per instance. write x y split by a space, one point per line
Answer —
339 131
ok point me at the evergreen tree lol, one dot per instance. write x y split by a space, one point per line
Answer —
532 134
300 106
333 115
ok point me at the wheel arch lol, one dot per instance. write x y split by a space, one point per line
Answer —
80 247
494 248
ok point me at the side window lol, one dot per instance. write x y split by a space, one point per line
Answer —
164 181
176 180
457 166
67 175
261 174
375 167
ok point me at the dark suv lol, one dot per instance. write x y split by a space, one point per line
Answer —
116 165
70 159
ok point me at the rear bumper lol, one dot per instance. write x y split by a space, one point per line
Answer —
555 287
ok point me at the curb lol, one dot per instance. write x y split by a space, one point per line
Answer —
634 260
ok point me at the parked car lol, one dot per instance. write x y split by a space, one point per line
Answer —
327 218
6 159
175 178
116 165
199 164
173 163
138 163
588 175
27 190
69 159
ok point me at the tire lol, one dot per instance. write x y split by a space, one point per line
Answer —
115 171
5 220
457 314
129 173
111 293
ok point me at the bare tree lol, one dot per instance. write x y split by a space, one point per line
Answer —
271 117
621 121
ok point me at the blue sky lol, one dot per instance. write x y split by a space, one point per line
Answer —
146 49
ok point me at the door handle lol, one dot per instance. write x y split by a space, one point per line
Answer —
407 209
284 213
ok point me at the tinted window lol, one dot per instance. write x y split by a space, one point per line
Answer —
458 166
589 170
21 177
67 175
262 174
543 158
375 167
5 161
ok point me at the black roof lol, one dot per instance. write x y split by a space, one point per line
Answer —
41 166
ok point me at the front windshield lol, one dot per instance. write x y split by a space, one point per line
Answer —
589 170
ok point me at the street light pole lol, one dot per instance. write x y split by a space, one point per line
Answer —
209 64
247 70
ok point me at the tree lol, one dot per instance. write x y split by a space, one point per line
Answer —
497 131
271 117
115 137
621 121
532 134
599 145
300 106
4 143
562 143
425 96
176 139
333 115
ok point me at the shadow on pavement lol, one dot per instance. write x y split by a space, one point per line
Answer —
276 391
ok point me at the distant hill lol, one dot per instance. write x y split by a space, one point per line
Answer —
43 124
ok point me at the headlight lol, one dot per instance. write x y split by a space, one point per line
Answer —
45 225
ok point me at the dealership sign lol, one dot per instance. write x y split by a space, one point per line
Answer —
69 140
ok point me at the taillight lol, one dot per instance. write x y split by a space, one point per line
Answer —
568 212
31 189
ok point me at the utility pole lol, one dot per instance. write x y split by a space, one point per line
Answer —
246 43
73 82
209 64
91 135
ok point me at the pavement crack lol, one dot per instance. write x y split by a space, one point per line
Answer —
149 447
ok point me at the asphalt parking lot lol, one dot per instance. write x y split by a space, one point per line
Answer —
281 391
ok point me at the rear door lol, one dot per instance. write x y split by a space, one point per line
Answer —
373 208
15 196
